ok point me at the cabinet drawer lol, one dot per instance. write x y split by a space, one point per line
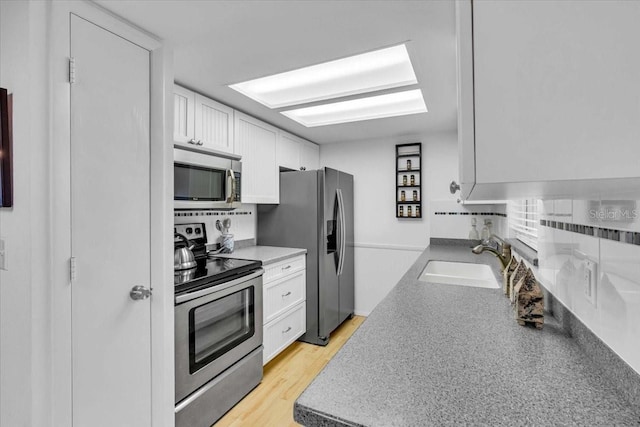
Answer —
284 330
283 268
282 294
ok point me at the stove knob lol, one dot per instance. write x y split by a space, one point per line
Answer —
189 230
197 231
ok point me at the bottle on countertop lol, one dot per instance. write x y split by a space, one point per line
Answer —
485 234
473 233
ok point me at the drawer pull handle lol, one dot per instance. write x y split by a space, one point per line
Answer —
286 294
286 330
287 267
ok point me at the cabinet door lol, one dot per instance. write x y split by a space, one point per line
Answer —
256 142
309 155
184 103
213 124
556 90
288 154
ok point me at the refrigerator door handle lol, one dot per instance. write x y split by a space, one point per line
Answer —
343 234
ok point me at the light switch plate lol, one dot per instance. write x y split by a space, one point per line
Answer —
3 254
590 280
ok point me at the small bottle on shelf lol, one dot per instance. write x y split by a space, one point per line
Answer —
401 210
404 179
413 180
415 195
408 164
409 211
418 211
402 196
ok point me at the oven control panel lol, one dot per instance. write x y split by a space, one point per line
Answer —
195 231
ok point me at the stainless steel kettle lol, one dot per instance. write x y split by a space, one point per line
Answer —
183 257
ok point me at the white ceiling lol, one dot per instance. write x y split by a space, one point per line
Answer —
217 43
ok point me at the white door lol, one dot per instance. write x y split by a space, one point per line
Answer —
111 333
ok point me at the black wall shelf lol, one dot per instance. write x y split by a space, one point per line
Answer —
409 180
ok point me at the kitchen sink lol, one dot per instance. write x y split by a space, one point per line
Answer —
460 274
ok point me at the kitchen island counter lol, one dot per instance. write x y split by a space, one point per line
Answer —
432 354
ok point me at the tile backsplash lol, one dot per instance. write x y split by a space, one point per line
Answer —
243 221
574 233
452 220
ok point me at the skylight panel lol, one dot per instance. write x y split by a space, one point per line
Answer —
374 107
372 71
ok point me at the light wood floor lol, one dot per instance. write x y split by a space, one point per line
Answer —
285 378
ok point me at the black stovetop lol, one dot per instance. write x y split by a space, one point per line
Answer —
211 272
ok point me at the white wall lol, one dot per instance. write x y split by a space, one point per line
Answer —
615 316
385 246
25 378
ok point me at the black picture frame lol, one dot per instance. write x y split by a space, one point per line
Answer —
6 149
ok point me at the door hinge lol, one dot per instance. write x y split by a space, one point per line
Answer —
72 269
72 70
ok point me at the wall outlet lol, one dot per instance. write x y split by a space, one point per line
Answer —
590 280
3 254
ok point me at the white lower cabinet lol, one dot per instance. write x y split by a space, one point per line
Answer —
283 331
284 300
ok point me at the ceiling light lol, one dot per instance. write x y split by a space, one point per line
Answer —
374 107
381 69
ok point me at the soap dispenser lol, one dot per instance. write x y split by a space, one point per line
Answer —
473 234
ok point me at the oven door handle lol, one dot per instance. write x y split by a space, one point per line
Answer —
207 291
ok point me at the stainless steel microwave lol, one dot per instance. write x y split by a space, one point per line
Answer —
204 179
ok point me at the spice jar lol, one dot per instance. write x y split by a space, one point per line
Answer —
409 211
404 179
415 195
402 196
418 211
401 211
413 180
408 164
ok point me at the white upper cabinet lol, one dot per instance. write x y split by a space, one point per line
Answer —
297 153
214 124
288 150
202 121
256 142
548 98
184 104
309 155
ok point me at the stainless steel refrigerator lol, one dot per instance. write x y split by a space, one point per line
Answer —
316 213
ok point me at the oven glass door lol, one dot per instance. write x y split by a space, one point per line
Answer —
219 326
198 183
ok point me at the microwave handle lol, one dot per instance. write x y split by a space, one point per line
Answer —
231 186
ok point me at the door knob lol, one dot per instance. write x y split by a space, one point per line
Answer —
453 187
139 292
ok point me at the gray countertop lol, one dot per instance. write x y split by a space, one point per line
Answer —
432 354
265 254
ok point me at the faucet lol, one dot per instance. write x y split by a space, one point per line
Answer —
504 256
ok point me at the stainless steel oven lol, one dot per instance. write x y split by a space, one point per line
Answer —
218 346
